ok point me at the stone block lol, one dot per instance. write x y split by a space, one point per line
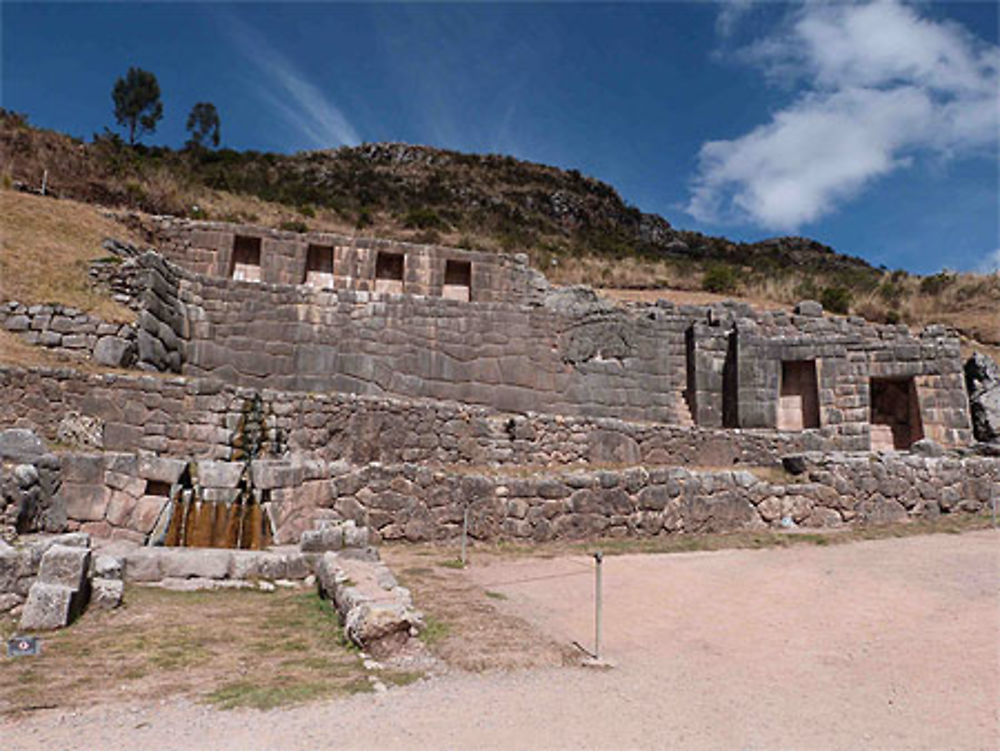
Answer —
66 566
106 594
20 445
160 469
146 513
114 352
322 540
189 563
84 503
83 468
219 474
109 567
143 565
49 606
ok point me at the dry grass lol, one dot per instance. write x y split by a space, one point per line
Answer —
464 628
686 543
45 246
230 648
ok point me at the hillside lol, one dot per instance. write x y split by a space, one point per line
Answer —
573 227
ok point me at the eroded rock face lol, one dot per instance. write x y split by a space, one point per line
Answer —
982 378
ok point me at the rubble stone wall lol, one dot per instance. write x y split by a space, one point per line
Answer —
70 330
417 502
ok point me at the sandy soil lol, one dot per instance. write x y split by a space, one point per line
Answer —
882 644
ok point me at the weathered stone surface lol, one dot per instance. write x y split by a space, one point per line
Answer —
160 469
49 606
9 601
612 447
20 445
186 563
82 431
109 567
114 352
66 566
106 594
322 540
219 474
927 447
982 378
147 511
809 308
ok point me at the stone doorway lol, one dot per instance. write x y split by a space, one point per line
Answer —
895 414
798 398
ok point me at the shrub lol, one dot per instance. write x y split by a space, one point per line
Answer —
720 279
422 218
294 225
936 283
365 218
836 299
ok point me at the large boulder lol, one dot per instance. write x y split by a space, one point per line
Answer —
982 378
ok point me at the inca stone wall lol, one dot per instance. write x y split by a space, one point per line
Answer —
848 352
199 418
207 248
417 502
560 357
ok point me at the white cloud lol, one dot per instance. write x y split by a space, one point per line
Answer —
290 94
991 264
883 86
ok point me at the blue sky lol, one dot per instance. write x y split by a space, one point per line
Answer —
871 127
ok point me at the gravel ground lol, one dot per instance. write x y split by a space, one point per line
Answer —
883 644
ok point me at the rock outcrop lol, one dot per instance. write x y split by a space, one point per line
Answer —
982 378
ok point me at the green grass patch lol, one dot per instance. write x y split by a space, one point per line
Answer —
435 631
496 595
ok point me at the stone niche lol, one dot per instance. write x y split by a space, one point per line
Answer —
798 398
895 414
457 281
389 269
319 267
246 259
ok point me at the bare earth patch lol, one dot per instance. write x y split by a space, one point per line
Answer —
887 643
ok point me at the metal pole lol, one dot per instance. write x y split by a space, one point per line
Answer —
598 604
465 532
45 181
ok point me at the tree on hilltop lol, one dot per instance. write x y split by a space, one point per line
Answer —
203 124
137 103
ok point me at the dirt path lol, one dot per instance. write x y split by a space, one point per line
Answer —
882 644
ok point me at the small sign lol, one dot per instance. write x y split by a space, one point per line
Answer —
24 646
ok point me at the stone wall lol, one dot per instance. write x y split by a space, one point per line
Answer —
416 502
207 248
568 356
201 418
736 357
67 329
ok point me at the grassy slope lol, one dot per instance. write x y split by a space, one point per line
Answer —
46 246
574 228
